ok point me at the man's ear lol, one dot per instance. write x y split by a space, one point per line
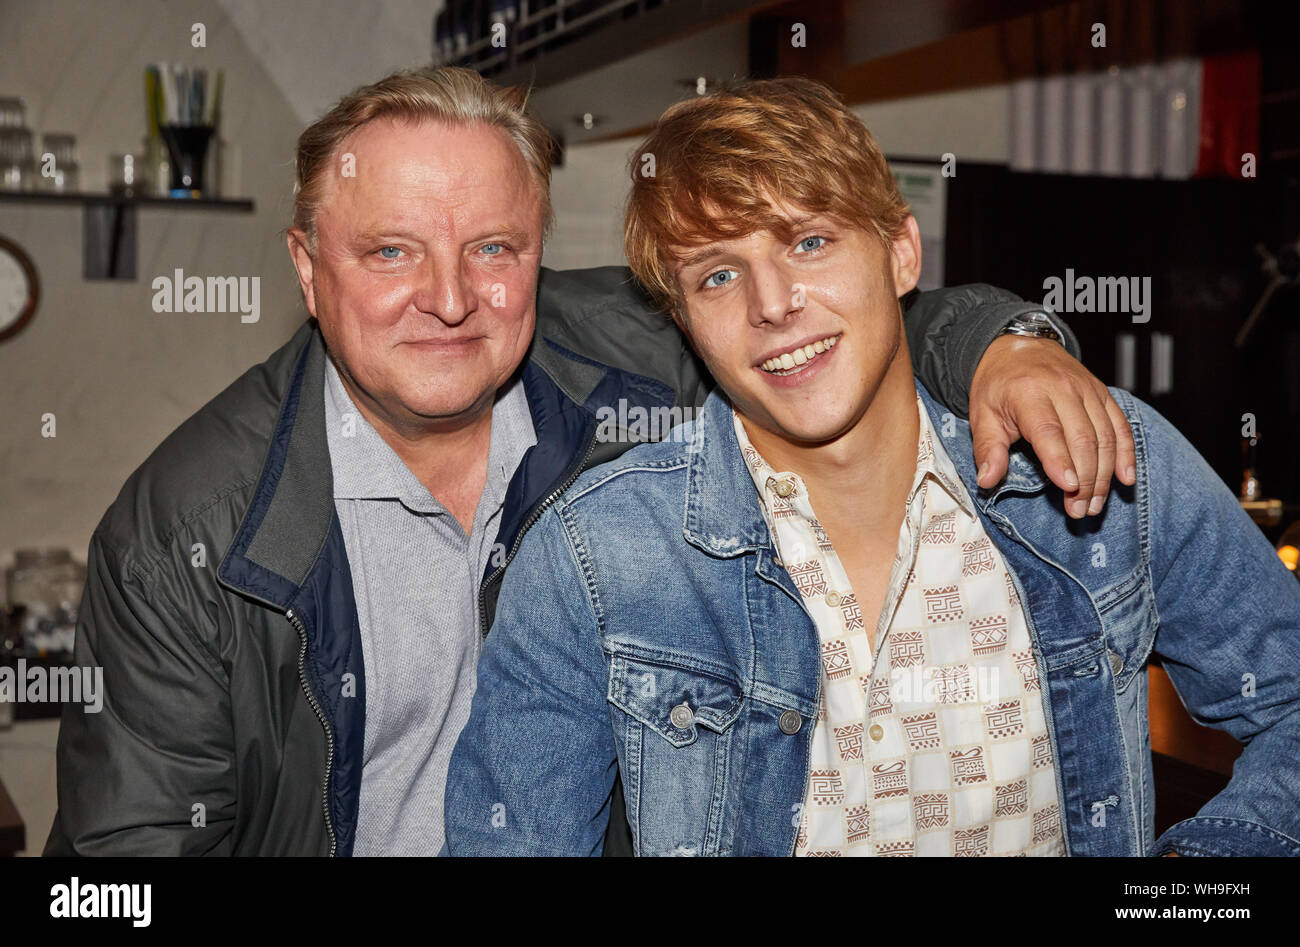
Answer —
305 265
906 257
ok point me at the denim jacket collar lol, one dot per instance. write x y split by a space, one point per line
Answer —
1024 474
723 516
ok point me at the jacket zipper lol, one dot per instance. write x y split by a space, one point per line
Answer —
573 474
320 715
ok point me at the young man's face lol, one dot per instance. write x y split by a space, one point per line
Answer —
425 271
799 334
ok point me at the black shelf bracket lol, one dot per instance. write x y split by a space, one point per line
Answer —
108 225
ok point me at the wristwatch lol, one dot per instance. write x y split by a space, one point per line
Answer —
1034 324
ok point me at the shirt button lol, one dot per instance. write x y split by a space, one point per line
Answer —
784 488
681 716
877 732
833 599
790 722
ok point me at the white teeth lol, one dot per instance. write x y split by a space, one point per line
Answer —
798 357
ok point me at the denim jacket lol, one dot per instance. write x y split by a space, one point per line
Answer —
654 582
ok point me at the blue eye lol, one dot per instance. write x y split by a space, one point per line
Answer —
709 280
488 249
383 252
804 243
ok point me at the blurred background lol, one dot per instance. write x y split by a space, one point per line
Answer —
1140 160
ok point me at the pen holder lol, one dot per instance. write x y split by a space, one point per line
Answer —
187 149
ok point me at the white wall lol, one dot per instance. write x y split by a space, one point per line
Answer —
116 375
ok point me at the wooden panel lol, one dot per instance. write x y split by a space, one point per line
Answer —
1181 789
1175 734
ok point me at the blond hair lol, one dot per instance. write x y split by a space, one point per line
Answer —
718 159
448 94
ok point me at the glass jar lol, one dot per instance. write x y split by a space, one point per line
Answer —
44 587
60 171
17 164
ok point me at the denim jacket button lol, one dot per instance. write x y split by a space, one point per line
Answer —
790 722
681 716
1116 662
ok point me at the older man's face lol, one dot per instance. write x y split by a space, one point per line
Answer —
425 270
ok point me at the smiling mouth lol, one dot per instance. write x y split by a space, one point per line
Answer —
798 359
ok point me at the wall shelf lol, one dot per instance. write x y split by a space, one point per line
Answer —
109 223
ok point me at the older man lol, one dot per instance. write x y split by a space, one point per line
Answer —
362 491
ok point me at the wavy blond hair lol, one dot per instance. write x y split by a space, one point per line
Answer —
719 159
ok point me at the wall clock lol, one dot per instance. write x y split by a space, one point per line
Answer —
20 289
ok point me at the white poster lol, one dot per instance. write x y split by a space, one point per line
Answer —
926 191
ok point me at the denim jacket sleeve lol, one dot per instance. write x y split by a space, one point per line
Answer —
534 768
1229 638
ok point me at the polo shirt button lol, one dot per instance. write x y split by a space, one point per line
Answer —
784 488
681 716
877 732
833 599
790 722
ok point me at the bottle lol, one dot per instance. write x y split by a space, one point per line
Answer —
1250 487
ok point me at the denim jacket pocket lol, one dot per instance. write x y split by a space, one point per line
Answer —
676 738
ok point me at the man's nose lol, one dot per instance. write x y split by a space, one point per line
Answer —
773 297
444 289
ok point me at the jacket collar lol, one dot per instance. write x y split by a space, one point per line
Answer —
1024 474
723 516
288 521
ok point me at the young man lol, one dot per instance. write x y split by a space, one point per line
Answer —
799 627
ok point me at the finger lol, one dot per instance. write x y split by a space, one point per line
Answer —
991 441
1041 426
1105 434
1081 440
1125 450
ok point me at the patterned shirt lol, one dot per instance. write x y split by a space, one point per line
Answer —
935 744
